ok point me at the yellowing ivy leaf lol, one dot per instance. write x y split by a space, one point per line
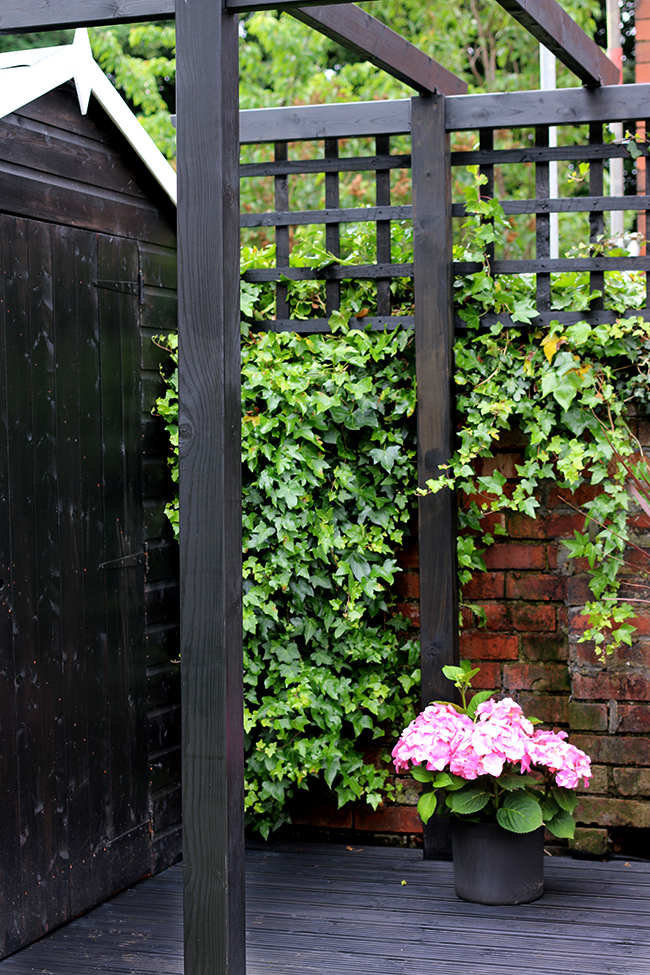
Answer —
551 345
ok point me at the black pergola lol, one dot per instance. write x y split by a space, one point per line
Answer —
209 428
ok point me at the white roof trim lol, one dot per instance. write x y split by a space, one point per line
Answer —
27 75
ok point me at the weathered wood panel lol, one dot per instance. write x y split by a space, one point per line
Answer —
326 121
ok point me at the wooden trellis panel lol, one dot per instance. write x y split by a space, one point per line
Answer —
488 114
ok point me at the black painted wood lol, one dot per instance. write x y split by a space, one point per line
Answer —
550 24
350 164
210 488
332 230
596 218
332 910
542 223
281 182
295 218
354 29
314 325
567 204
545 318
346 272
554 266
342 121
479 157
17 16
383 256
567 106
434 336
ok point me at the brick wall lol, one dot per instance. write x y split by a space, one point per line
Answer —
533 597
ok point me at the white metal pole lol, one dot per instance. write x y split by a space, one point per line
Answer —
547 81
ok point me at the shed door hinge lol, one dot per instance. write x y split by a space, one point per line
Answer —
125 562
125 287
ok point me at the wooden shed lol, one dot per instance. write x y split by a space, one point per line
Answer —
89 696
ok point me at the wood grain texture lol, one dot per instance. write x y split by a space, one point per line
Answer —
210 488
434 336
568 106
357 31
326 121
17 16
550 24
328 910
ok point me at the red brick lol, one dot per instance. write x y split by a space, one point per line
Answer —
407 585
535 677
642 426
545 646
409 556
580 622
485 585
633 717
638 655
489 679
488 646
513 555
410 610
520 616
607 687
578 591
522 526
490 521
535 585
588 717
632 781
503 463
613 812
614 750
466 618
595 842
640 521
641 30
642 73
306 812
390 819
564 525
564 498
550 710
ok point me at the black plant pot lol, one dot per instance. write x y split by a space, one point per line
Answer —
494 866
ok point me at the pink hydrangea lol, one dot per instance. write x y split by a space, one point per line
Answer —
442 738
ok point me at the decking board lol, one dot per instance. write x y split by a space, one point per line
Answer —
317 910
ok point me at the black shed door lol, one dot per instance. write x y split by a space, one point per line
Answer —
73 724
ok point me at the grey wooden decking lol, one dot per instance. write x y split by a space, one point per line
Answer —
323 910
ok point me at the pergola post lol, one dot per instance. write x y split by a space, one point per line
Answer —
210 488
434 342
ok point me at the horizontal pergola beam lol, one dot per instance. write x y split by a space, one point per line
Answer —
366 36
17 16
551 25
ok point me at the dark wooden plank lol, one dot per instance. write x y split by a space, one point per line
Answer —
333 121
282 247
314 325
567 204
27 193
156 523
48 573
77 839
554 266
163 644
123 568
41 147
332 230
530 154
163 684
347 272
210 488
486 142
296 218
158 266
383 256
348 164
550 24
566 317
356 30
596 218
18 16
434 337
339 912
11 905
162 560
567 106
542 222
